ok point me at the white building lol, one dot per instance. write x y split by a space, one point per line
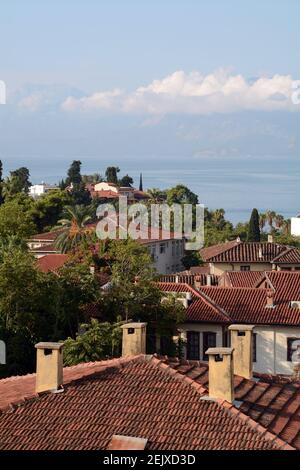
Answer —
37 190
295 226
272 308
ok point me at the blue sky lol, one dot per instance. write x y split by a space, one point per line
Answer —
104 44
145 84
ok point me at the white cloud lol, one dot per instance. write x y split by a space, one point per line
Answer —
101 100
188 93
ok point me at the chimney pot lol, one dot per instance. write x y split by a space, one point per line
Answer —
134 339
220 373
270 239
241 341
49 367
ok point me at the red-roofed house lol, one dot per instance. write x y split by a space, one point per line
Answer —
250 256
273 307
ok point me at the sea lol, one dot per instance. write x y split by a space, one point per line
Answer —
236 184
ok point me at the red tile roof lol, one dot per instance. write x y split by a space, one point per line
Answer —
240 278
51 263
215 250
248 305
139 397
290 256
200 309
243 252
273 404
47 236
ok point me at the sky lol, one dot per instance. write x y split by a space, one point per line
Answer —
153 85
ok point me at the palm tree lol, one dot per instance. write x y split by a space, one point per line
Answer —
279 221
286 226
270 215
262 221
76 230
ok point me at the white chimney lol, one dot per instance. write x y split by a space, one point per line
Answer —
270 239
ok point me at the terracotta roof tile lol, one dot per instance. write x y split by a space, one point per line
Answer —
240 278
273 405
51 263
134 397
244 252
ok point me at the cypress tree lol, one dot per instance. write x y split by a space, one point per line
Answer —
254 230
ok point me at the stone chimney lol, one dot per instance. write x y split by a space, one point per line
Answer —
134 339
270 298
270 239
220 373
49 367
208 280
242 344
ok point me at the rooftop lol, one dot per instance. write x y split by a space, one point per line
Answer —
248 252
139 396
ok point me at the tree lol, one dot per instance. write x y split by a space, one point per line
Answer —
92 179
132 274
180 194
191 258
15 220
254 231
270 215
75 228
47 209
126 181
99 341
18 182
111 174
74 176
141 182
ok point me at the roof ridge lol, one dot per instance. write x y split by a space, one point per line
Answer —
284 252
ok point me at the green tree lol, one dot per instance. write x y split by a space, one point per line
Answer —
126 181
18 182
254 230
99 341
15 220
76 230
180 194
111 174
132 274
47 209
74 176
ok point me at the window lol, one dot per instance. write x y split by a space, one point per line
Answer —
293 345
245 268
254 341
162 248
209 341
193 346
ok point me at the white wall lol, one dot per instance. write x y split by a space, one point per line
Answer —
271 346
170 260
295 226
201 327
